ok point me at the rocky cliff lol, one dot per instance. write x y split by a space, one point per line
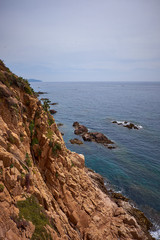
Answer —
46 192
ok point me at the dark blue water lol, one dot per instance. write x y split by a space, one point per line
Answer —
134 166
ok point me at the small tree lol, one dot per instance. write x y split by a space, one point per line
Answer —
46 106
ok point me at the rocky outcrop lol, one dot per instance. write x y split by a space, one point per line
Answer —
76 141
92 136
79 129
128 125
53 103
45 190
52 111
40 92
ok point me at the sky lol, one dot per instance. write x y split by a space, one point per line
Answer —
81 40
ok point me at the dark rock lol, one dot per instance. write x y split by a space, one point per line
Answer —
92 136
96 137
87 137
119 196
52 111
76 124
111 146
131 125
76 141
44 99
41 92
141 218
114 121
59 124
53 103
80 129
126 124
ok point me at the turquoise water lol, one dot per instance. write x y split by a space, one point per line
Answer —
134 166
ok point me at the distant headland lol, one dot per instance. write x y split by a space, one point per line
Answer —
34 80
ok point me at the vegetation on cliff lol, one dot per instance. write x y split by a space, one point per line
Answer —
45 190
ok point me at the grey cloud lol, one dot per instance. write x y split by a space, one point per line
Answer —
88 35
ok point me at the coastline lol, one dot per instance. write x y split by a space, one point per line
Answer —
122 201
71 202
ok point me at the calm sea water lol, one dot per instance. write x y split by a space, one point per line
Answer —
134 166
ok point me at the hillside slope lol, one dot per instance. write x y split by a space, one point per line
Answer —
45 190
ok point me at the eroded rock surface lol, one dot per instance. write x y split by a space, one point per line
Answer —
37 168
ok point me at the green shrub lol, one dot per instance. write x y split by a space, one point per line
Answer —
24 85
49 134
21 137
34 141
11 138
11 165
39 152
51 143
8 147
31 127
1 171
58 146
50 121
30 210
55 148
3 67
1 187
45 105
28 161
37 114
22 175
57 174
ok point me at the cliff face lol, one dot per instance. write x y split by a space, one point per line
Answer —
45 190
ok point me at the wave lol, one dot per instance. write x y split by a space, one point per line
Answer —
125 124
155 234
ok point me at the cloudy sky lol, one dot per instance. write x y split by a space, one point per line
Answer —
81 40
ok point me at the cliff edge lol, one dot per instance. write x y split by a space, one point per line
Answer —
46 192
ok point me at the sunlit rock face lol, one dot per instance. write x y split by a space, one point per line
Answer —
45 190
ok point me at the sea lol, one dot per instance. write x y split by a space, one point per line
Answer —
133 168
